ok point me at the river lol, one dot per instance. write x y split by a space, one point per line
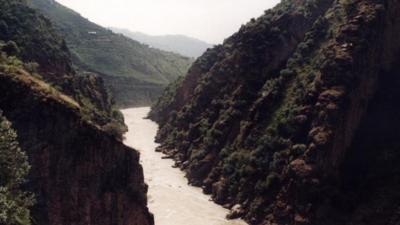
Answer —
171 199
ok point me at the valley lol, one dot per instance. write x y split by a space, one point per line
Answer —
292 120
171 199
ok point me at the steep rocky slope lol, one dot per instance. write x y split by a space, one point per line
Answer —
28 36
81 173
116 58
293 119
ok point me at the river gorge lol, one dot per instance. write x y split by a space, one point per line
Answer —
171 199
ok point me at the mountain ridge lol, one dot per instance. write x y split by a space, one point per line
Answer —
181 44
98 50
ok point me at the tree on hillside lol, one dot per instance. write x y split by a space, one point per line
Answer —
14 167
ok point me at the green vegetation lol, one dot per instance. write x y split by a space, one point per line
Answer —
247 111
30 36
166 98
14 167
27 73
115 57
31 47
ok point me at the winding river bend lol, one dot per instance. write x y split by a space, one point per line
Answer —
171 199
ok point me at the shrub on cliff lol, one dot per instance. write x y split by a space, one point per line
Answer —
11 48
14 167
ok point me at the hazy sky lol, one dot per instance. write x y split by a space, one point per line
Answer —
209 20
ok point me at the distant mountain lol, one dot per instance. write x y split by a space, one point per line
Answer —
135 73
181 44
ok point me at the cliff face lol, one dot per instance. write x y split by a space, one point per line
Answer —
79 174
292 120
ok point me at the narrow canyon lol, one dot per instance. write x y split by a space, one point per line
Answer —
171 199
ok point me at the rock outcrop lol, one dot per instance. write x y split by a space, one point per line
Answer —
293 117
81 173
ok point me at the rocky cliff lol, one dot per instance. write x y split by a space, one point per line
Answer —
292 120
81 173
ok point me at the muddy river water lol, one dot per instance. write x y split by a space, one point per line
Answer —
171 199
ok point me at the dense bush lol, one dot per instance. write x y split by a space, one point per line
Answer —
30 36
14 167
11 48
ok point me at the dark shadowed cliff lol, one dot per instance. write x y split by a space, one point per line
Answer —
293 119
81 173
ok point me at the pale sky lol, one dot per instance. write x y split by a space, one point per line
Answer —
208 20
